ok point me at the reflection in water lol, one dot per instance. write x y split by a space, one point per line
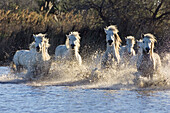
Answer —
25 98
68 88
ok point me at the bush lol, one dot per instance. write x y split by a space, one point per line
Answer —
17 23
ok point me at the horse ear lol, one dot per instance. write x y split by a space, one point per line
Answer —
142 35
45 35
125 38
105 30
137 41
34 36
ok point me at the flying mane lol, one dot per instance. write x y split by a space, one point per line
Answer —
153 40
117 38
76 34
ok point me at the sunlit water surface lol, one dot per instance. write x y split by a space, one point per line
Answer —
21 98
68 89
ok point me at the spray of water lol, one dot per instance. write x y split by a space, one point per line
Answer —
90 75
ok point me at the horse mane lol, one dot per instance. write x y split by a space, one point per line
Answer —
45 45
131 38
46 41
153 40
150 36
113 28
76 34
117 38
40 35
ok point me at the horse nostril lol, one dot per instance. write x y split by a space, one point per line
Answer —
37 48
110 42
72 46
147 49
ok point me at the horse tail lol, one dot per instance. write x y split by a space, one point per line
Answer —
13 66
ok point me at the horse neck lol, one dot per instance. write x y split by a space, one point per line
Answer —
126 46
112 50
147 56
73 52
33 50
125 49
140 51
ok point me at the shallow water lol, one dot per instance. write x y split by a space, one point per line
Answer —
21 98
68 89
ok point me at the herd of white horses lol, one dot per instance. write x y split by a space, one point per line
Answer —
37 61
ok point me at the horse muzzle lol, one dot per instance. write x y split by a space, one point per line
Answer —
147 50
110 42
130 53
72 46
37 48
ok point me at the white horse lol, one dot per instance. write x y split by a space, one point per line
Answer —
18 64
69 51
36 60
148 63
111 56
127 51
139 46
134 59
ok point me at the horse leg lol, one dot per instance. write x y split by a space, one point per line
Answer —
18 68
151 76
30 74
13 67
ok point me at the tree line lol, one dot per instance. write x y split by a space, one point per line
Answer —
19 19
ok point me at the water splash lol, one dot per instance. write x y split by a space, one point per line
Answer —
7 75
70 74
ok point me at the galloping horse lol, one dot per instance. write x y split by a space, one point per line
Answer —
134 59
36 60
111 56
69 51
148 63
127 51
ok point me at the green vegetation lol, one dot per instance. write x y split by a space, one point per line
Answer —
19 19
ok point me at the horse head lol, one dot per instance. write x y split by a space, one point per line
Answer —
148 43
139 45
109 37
130 41
73 41
38 40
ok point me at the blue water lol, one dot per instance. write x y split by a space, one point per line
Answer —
17 98
26 98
